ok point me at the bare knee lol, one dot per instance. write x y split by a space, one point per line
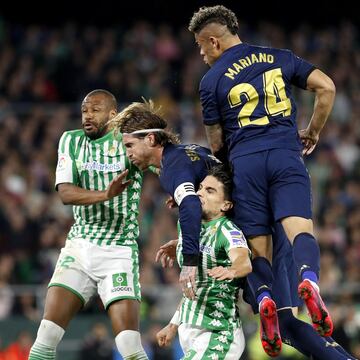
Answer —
261 246
61 305
124 315
295 225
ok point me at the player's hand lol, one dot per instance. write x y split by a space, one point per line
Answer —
309 140
167 254
170 203
222 273
187 281
117 185
166 335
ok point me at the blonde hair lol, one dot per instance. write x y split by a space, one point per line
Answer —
142 116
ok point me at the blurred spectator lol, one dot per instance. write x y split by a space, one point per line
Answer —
98 345
18 350
46 71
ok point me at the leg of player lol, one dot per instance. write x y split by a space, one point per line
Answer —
304 338
61 305
260 281
331 342
307 258
124 316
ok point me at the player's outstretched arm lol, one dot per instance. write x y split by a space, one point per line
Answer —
74 195
324 89
240 267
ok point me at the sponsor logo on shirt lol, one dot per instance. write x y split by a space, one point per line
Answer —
120 282
206 249
96 166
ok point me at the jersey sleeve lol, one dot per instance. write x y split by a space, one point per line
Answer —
233 237
301 71
210 108
180 182
66 170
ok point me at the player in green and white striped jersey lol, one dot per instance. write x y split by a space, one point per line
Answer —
209 327
101 252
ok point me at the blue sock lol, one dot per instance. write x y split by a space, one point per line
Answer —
339 348
261 278
307 256
310 275
304 338
262 295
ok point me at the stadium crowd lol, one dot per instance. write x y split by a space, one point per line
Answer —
45 72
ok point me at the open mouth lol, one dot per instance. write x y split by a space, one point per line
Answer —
88 126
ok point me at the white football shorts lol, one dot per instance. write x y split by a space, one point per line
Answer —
86 269
198 343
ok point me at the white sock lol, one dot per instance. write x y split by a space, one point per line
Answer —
128 342
48 337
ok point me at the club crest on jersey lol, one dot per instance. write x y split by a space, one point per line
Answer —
112 151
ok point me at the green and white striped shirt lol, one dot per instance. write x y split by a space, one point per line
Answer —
92 165
215 305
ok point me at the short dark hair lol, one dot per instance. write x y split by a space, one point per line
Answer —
218 14
109 96
223 175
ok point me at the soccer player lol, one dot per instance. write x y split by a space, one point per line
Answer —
101 252
182 168
209 326
248 107
294 332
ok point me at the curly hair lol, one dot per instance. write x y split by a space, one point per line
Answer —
142 116
218 14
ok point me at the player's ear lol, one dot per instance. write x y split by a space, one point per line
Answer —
112 114
214 41
226 206
150 138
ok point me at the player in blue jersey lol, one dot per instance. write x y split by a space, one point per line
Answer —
182 168
248 107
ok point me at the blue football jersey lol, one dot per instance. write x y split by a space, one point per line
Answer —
183 167
248 91
184 164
